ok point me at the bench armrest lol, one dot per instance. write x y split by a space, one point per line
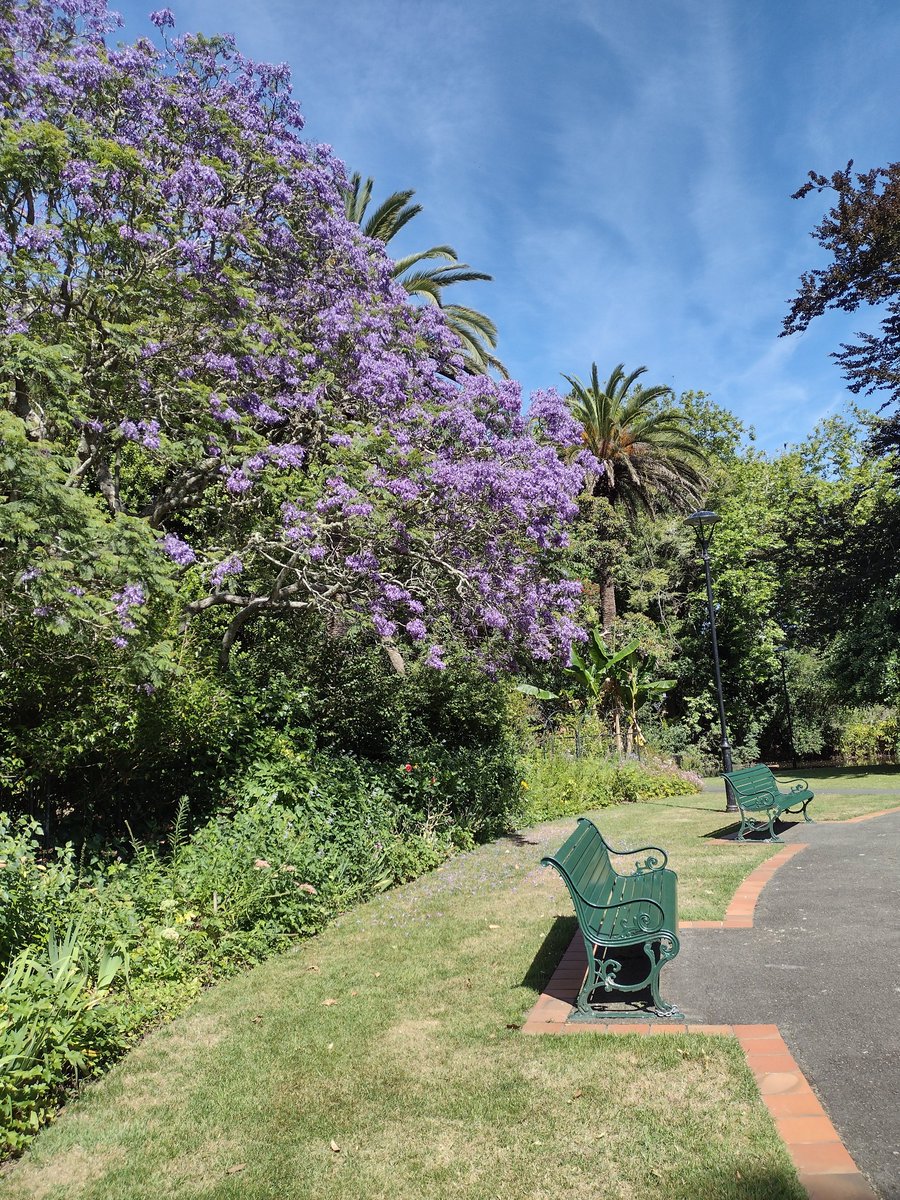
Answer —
651 863
799 785
645 921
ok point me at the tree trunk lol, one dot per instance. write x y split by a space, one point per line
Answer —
617 729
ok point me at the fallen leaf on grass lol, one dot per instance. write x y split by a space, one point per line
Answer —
577 1095
330 1047
335 1147
354 992
328 1003
312 967
493 926
377 974
256 1020
234 1170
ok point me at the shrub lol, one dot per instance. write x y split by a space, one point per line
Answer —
31 890
306 837
556 785
870 735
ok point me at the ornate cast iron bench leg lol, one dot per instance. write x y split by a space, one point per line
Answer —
602 972
668 948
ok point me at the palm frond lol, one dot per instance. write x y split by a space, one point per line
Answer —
477 332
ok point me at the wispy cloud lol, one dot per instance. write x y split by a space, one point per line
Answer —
622 170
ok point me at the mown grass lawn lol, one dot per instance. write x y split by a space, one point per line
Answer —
383 1059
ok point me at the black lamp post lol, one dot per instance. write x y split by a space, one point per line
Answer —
703 523
781 651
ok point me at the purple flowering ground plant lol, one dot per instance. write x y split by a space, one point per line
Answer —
194 329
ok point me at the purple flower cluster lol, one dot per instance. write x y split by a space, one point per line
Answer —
275 361
179 551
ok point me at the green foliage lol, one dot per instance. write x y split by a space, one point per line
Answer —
870 735
31 890
56 1025
309 837
557 785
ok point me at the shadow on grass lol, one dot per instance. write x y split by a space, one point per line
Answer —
519 838
844 772
729 833
694 808
550 952
738 1181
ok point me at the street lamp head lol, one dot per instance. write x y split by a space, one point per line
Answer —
702 523
702 517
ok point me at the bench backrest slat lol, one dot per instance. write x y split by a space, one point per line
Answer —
749 779
583 861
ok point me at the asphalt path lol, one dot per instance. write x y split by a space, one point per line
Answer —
822 962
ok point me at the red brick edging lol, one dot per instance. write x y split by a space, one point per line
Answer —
825 1168
885 812
743 903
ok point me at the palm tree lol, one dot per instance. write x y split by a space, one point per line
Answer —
648 454
419 276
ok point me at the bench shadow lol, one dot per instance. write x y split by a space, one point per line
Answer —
549 953
684 807
728 833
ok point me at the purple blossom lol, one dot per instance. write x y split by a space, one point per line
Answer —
383 627
130 597
434 658
178 550
229 566
237 482
145 432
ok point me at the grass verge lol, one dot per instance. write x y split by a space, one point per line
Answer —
383 1059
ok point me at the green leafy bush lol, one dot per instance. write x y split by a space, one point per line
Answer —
306 837
870 735
557 785
32 889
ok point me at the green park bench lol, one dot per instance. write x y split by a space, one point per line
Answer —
756 792
616 912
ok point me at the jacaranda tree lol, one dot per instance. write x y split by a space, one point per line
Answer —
197 336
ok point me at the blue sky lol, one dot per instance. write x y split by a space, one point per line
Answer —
623 169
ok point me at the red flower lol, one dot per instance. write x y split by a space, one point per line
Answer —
408 767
